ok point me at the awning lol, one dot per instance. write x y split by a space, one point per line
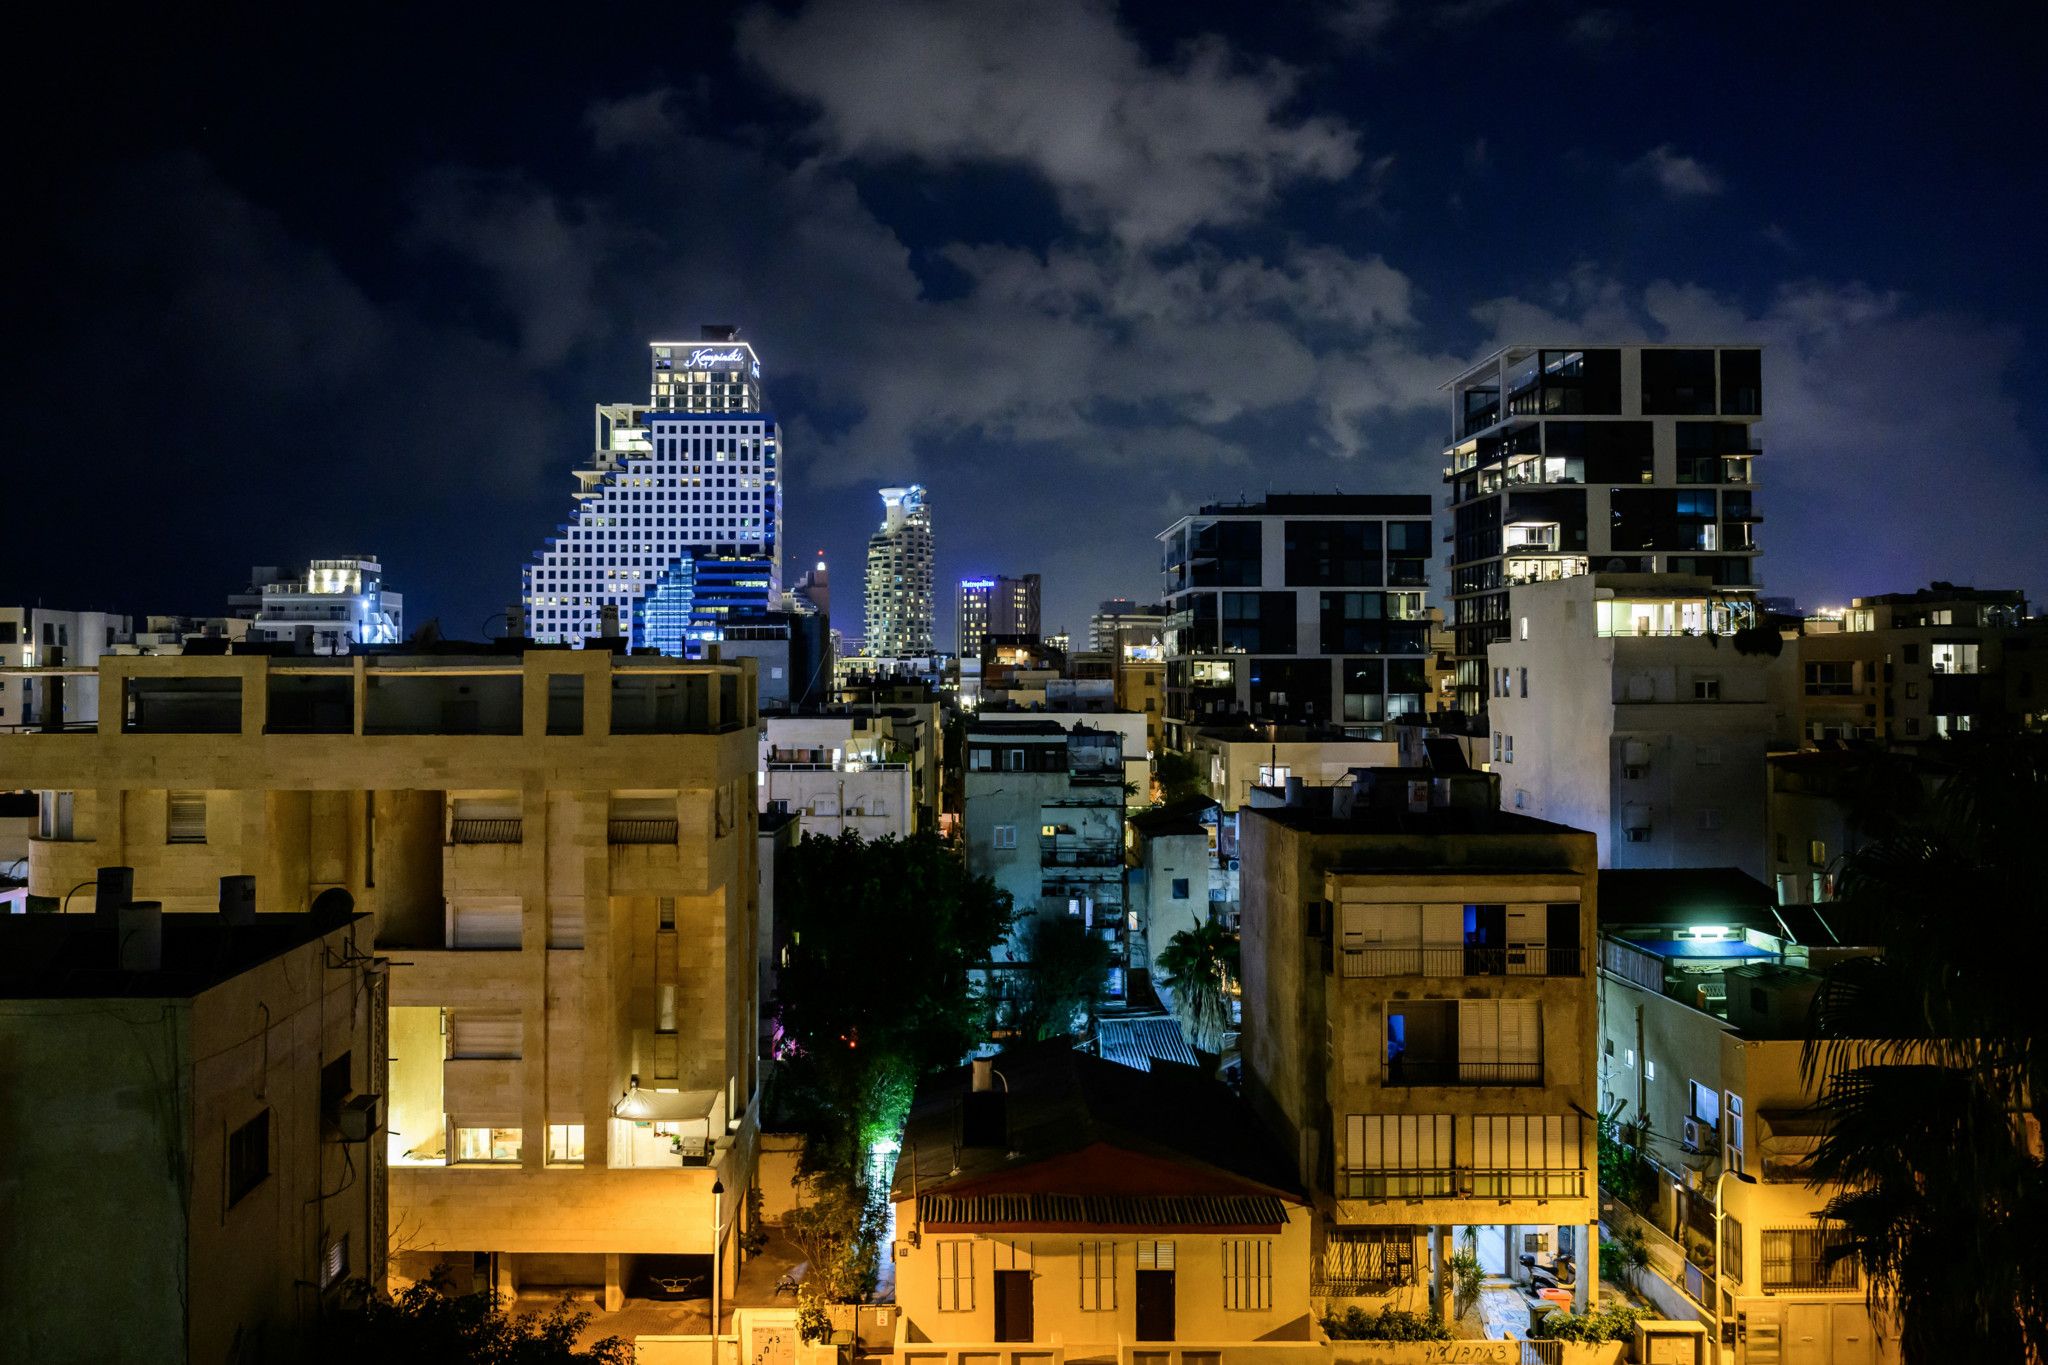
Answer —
665 1106
1791 1136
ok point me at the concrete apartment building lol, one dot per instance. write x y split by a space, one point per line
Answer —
40 636
838 772
559 848
1051 1198
1000 605
332 607
190 1107
1233 759
1298 609
1419 1026
1620 704
1043 815
1705 992
1569 459
1909 668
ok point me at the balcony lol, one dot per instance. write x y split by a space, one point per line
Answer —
1406 1070
1463 1182
485 831
1459 961
655 831
1103 854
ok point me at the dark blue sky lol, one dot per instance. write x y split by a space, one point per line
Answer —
349 278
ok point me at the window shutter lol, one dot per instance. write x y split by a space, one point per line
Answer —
484 1035
186 822
1155 1255
485 921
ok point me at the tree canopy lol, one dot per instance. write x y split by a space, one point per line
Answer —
1066 979
1201 966
426 1325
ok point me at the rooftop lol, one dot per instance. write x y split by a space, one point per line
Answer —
71 957
1325 504
1396 801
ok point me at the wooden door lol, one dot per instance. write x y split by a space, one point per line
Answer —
1013 1305
1155 1305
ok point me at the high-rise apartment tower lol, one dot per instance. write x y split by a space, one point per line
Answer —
995 606
899 596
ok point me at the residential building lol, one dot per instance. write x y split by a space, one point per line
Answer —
1908 668
814 588
995 606
691 476
559 845
1419 1026
1564 460
1043 816
191 1107
1626 704
42 637
1301 609
791 653
1070 712
330 608
840 771
1233 759
1107 627
1704 1006
1050 1197
899 583
1179 877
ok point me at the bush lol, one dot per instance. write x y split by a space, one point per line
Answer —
1389 1324
1623 1259
1615 1322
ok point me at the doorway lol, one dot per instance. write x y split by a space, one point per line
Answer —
1155 1305
1013 1305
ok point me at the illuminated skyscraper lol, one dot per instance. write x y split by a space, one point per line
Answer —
995 606
899 586
692 473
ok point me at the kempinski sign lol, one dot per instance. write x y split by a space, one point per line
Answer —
704 358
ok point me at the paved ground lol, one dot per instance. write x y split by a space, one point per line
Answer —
679 1317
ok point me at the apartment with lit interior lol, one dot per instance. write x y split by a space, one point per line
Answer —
1047 1199
1909 668
1640 707
1299 609
998 605
1706 988
1567 459
329 608
1419 1028
843 770
191 1108
556 850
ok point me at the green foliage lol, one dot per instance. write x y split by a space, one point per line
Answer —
1931 1065
1611 1322
1201 965
1068 976
426 1325
1178 776
1624 1259
839 1232
1466 1275
813 1323
1389 1324
1626 1170
755 1240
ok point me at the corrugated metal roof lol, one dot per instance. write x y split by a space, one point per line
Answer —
1136 1043
1106 1211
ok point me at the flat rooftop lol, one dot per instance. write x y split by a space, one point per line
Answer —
1325 504
72 957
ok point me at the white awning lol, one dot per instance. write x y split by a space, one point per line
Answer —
665 1106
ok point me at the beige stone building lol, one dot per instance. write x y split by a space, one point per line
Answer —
188 1106
557 852
1419 1026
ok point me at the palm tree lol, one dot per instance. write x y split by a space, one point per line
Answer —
1929 1061
1201 967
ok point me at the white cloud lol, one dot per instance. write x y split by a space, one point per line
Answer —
1679 176
1145 151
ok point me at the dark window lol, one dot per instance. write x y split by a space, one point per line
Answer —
1225 554
6 632
1365 686
1259 622
1180 888
1294 691
1678 382
1573 382
1742 383
1408 551
248 1157
1606 452
334 1088
1333 553
1351 622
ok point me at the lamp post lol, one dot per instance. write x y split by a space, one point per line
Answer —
717 1247
1721 1212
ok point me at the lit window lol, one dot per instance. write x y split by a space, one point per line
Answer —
565 1144
487 1145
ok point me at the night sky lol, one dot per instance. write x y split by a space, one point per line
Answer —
294 281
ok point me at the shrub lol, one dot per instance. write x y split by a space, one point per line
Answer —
1389 1324
1615 1322
1623 1259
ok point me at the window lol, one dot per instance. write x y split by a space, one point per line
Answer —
1731 1247
473 1034
1706 1104
1706 689
665 1008
1395 1156
1098 1277
334 1262
665 912
1247 1274
1508 750
1180 888
1649 1069
1525 627
1836 679
1524 681
1003 836
485 1145
248 1157
1496 746
1155 1255
1817 852
1367 1261
1798 1258
565 1144
185 818
1048 831
1540 1156
956 1277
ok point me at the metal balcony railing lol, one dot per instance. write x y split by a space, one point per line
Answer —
491 831
1431 1071
641 831
1458 960
1462 1182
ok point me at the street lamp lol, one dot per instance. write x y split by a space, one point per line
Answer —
717 1246
1721 1212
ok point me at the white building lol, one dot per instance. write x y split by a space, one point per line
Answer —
899 585
838 772
1620 704
334 605
38 637
690 478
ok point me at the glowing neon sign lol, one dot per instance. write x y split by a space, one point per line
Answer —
703 358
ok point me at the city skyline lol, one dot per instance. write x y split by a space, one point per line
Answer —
323 367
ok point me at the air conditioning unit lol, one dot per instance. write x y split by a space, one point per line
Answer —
1700 1138
357 1121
